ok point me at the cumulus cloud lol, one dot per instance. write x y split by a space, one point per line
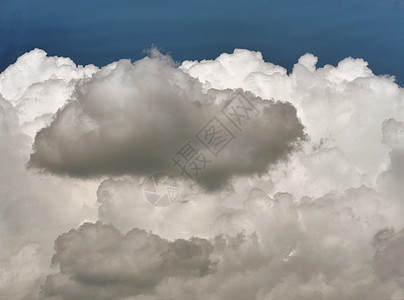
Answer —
389 255
113 265
31 214
393 137
135 118
38 85
325 223
271 244
343 105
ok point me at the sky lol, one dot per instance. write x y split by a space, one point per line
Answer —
100 32
201 150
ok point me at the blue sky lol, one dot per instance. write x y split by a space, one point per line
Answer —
100 32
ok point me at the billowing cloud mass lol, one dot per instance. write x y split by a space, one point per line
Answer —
133 118
113 265
305 202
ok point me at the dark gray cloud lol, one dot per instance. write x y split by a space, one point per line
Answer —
97 261
133 118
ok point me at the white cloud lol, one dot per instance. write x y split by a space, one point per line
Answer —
37 85
34 208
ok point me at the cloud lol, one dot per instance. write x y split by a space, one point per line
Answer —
389 255
271 244
112 265
325 223
133 118
38 85
31 211
393 136
342 105
393 133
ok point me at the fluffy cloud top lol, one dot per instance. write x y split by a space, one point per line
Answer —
38 85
